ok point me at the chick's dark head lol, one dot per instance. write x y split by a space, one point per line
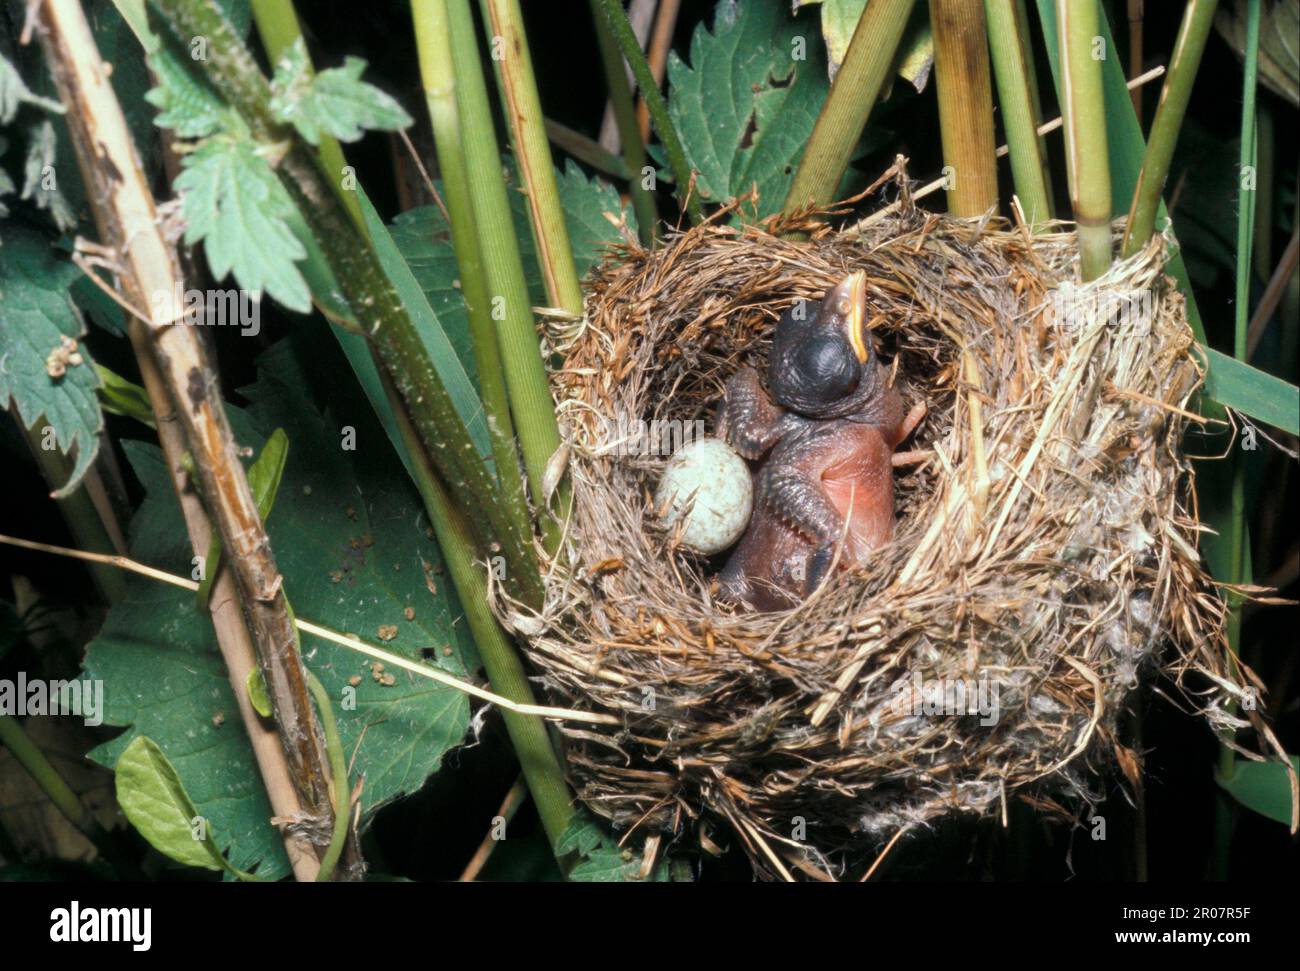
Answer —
821 353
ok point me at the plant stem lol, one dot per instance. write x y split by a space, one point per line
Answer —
85 520
1016 89
585 150
625 37
45 775
1084 110
235 75
1174 96
965 92
629 132
867 64
525 371
127 219
661 40
523 111
1237 534
528 735
278 27
433 42
338 773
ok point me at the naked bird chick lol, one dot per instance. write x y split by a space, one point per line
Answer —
825 430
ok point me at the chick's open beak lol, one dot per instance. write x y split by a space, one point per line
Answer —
851 302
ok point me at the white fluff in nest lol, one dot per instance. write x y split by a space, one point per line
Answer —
707 488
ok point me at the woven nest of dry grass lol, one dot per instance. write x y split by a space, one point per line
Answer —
1045 545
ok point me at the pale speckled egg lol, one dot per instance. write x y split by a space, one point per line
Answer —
708 488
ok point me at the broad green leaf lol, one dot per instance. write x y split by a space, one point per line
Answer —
591 209
744 106
1264 787
118 396
255 685
443 355
42 371
331 102
152 797
1252 392
234 204
350 536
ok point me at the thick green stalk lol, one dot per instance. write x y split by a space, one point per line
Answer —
1016 87
528 734
625 37
433 42
523 111
278 27
511 306
965 92
1084 111
233 72
867 64
629 131
1177 91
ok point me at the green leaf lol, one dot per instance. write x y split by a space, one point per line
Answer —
745 107
450 370
1264 787
187 105
39 183
37 320
255 685
591 210
267 471
234 204
152 797
349 535
1252 392
612 865
334 102
118 396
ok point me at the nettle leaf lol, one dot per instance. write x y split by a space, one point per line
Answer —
591 209
840 19
352 541
333 102
234 204
39 182
41 370
744 106
186 105
152 797
601 859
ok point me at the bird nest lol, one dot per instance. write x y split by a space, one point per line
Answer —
1044 557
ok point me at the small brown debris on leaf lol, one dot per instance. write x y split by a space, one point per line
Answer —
218 719
62 357
354 680
409 613
387 632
